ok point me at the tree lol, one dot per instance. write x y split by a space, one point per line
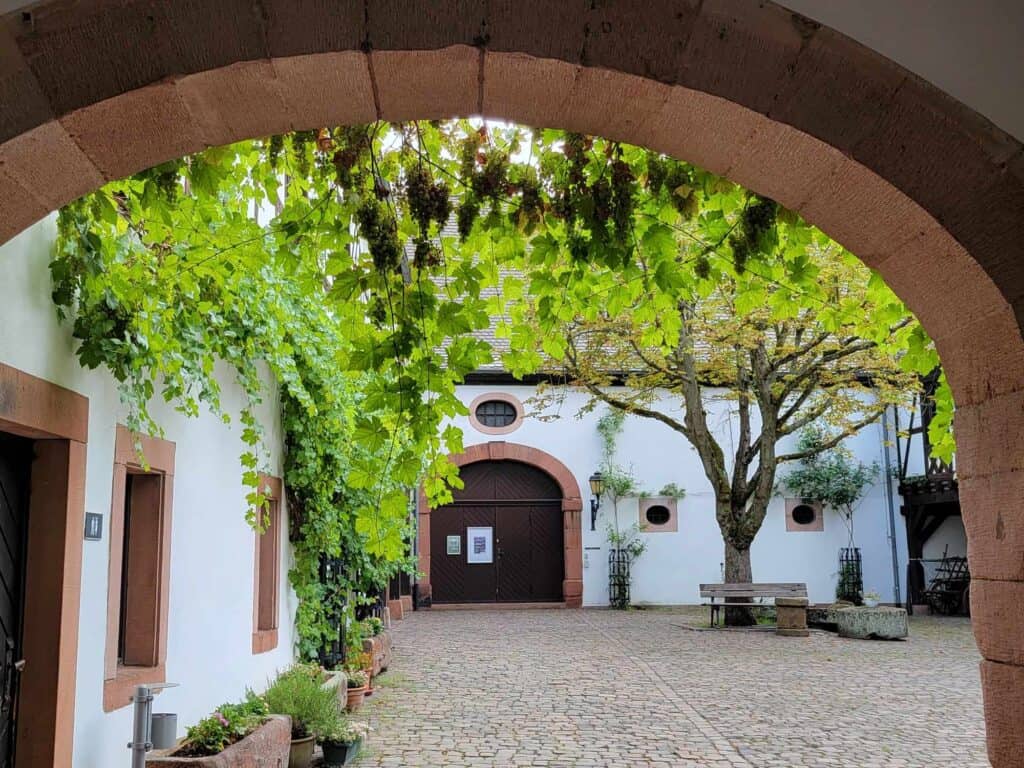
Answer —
750 331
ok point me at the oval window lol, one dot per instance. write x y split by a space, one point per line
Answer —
496 413
658 514
804 514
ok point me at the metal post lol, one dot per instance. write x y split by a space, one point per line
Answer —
140 743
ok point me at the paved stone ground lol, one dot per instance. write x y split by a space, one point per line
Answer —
601 688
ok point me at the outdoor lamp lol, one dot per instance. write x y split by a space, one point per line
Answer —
596 487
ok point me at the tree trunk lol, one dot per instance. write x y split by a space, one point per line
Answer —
737 571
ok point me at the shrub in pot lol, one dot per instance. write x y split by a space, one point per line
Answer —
299 693
357 681
341 746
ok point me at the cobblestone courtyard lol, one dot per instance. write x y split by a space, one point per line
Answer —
602 688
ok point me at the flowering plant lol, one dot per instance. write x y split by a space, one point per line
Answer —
228 724
347 732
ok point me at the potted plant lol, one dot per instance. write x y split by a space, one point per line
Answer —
341 746
872 599
233 735
357 681
299 693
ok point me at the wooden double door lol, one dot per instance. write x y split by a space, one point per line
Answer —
501 540
15 467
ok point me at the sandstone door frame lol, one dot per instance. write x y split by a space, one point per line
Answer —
56 419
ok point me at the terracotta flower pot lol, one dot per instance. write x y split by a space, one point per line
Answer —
354 698
301 754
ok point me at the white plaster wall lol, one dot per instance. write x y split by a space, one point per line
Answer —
212 550
674 564
950 540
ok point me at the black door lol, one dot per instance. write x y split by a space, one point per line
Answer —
15 464
521 506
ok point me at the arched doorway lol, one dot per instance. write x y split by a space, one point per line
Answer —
910 180
501 538
522 506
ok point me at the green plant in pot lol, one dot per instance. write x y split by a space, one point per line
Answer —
299 693
357 681
341 745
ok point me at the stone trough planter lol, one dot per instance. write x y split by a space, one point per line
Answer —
379 649
879 623
266 747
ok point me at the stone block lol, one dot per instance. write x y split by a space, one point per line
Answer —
395 609
418 85
990 435
995 532
791 616
997 617
1002 688
881 623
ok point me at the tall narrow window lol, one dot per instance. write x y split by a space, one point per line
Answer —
139 631
139 571
268 569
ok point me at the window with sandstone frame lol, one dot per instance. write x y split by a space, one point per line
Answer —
267 566
139 567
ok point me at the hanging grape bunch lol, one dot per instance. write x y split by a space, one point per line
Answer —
378 227
428 200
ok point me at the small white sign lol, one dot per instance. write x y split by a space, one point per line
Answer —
454 545
479 545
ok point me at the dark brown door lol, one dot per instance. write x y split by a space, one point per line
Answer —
521 505
15 465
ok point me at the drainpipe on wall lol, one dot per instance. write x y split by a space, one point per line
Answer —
891 506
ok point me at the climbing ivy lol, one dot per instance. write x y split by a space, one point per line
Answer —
321 257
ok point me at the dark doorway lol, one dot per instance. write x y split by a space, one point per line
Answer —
501 539
15 470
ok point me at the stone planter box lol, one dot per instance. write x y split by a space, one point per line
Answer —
379 649
880 623
395 608
266 747
338 682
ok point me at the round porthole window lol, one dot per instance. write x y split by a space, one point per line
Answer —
496 413
658 514
803 514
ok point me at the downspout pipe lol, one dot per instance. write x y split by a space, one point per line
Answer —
891 507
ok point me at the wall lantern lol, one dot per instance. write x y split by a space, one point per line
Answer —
596 488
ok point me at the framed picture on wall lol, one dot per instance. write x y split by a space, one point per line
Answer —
479 545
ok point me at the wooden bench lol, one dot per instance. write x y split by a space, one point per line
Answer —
741 595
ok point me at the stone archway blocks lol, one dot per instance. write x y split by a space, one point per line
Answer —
881 623
1003 694
997 614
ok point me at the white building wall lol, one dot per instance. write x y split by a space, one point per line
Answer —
209 651
674 564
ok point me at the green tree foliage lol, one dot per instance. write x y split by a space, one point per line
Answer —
318 257
829 475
